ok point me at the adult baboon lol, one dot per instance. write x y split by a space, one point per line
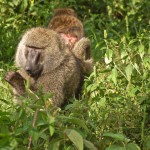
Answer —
45 60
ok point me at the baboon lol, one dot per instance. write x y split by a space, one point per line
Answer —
45 60
70 28
66 23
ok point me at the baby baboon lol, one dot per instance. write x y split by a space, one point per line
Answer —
46 61
66 23
70 28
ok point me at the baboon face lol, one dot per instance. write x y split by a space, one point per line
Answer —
40 51
34 58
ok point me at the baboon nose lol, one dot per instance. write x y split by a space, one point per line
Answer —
28 70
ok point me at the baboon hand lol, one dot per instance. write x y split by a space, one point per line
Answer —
82 48
13 78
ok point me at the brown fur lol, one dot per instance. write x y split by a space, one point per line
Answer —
65 21
62 11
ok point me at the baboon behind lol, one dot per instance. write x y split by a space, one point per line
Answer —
70 28
43 58
66 23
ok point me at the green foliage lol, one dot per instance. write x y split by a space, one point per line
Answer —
118 91
114 109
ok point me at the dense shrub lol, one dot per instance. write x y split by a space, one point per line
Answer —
113 111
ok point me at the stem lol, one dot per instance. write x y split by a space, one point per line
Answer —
33 125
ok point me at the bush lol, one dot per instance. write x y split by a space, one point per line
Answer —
113 112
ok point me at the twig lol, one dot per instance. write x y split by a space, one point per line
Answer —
33 125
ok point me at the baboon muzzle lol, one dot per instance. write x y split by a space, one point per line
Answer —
33 65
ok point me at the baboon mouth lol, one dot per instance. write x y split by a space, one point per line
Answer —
35 74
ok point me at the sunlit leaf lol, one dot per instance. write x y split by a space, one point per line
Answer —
131 89
141 50
51 129
108 56
24 5
147 143
128 71
3 86
75 137
115 147
35 135
76 121
116 136
51 125
55 146
102 102
123 54
114 75
132 146
13 143
137 68
105 34
89 145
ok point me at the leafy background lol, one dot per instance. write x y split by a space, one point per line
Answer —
113 111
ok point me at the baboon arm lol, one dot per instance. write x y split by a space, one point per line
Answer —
54 84
58 99
57 90
58 96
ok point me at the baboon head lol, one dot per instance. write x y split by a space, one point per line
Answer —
40 51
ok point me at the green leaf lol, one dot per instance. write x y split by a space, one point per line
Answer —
51 126
147 143
108 56
137 68
114 75
91 87
35 135
131 89
105 34
75 137
3 86
5 101
132 146
123 54
89 145
76 121
24 5
141 50
51 130
128 71
55 146
102 102
115 147
13 143
117 136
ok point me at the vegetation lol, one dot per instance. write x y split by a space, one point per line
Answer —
113 111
